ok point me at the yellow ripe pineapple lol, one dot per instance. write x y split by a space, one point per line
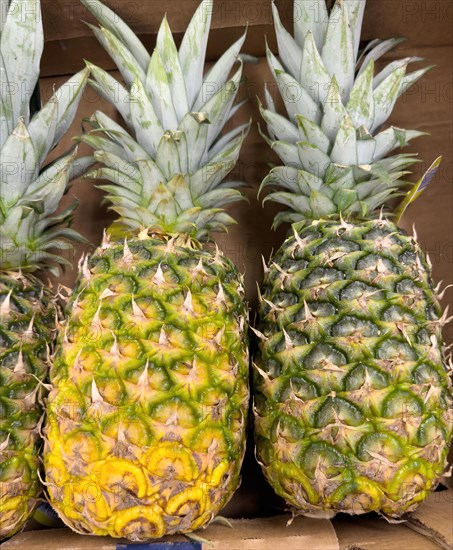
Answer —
146 420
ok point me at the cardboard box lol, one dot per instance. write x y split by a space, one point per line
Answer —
429 528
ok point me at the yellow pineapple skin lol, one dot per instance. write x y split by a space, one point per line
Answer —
146 419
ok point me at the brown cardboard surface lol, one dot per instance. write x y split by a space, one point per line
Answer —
377 534
435 518
426 23
256 534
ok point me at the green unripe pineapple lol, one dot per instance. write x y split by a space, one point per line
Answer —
353 401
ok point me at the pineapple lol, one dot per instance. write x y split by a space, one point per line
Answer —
31 239
353 408
146 419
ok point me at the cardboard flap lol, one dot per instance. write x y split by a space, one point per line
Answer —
256 534
434 518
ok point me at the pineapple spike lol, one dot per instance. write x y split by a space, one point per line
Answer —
19 367
188 303
159 278
136 311
221 299
5 307
265 267
440 295
163 338
96 397
86 270
259 334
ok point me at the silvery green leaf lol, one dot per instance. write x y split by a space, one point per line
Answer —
280 127
192 53
209 176
312 133
218 107
115 132
120 189
312 159
128 66
68 97
151 176
361 101
391 67
366 151
163 204
369 46
344 151
379 50
339 177
385 96
195 127
290 53
111 90
120 201
287 152
100 143
287 217
4 4
79 167
158 88
334 112
270 103
110 20
356 9
345 198
412 78
338 50
183 151
321 206
130 175
309 182
6 106
147 126
43 127
21 46
295 202
167 156
313 74
179 188
219 74
297 100
274 63
18 166
219 197
311 17
392 138
283 176
170 58
223 142
51 185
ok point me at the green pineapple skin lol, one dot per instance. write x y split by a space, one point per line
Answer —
27 334
173 391
353 404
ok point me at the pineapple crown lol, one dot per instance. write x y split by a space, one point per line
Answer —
335 154
31 236
168 171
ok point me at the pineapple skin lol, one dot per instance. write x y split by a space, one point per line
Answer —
353 404
29 317
146 420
